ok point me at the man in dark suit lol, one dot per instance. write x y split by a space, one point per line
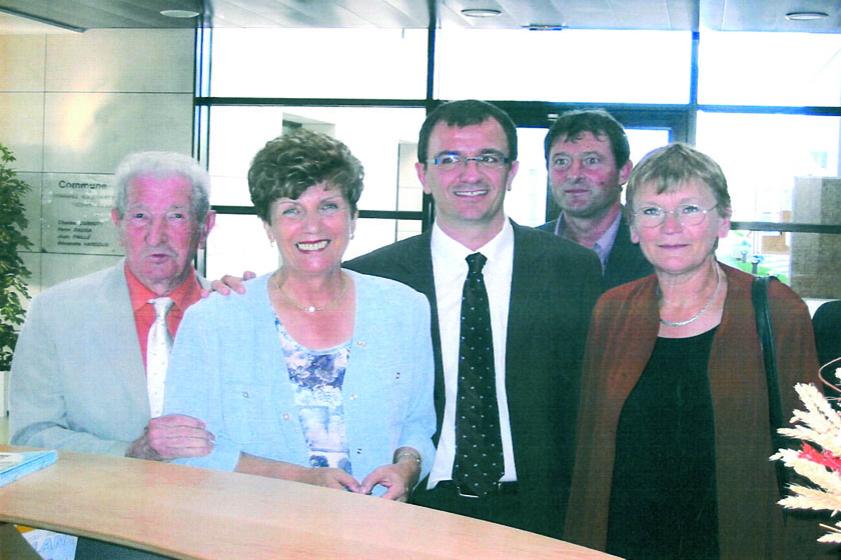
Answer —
540 291
587 157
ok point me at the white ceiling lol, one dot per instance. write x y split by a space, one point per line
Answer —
15 25
727 15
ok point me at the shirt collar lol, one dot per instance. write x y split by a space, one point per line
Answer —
603 244
187 293
448 249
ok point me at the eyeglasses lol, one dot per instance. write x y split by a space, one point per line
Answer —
452 160
685 214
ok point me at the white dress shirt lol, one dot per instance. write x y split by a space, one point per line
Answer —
450 269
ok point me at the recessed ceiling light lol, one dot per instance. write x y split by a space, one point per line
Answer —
806 16
481 12
545 27
179 13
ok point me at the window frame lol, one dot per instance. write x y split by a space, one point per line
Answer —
679 119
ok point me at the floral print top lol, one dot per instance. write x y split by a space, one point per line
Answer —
317 377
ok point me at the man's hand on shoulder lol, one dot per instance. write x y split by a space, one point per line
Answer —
171 437
227 283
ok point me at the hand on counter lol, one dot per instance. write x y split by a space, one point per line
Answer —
172 436
399 478
321 476
330 478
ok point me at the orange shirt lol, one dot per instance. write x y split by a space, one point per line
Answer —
185 295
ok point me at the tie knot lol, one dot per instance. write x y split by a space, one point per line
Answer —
476 262
162 306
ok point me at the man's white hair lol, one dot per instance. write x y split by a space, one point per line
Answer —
163 164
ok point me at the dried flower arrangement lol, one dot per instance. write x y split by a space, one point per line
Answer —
819 458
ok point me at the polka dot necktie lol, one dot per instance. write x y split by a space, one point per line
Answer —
478 463
158 345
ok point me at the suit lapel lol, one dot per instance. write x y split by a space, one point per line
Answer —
415 264
519 300
619 255
626 262
121 350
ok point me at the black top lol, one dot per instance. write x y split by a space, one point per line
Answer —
827 324
663 500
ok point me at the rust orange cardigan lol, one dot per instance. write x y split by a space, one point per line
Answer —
622 336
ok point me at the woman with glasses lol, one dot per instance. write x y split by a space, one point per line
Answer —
673 436
316 374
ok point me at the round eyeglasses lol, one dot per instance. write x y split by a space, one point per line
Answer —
453 160
685 214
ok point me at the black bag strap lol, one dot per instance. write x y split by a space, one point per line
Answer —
759 293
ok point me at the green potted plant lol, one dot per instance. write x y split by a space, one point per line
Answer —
13 273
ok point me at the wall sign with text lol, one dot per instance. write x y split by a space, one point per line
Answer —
77 214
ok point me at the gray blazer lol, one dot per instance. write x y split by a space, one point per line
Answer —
77 379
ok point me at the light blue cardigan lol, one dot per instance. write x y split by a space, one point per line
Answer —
228 369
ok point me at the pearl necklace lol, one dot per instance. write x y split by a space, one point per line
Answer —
309 308
700 311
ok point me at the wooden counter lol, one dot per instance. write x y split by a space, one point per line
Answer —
185 512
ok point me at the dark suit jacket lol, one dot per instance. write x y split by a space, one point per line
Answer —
554 286
625 261
827 325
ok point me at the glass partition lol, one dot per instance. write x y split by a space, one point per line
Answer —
573 65
808 262
383 139
373 233
319 63
238 243
793 69
762 155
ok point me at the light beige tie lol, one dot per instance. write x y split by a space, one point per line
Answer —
158 345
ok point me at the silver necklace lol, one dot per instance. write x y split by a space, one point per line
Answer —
309 308
700 311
